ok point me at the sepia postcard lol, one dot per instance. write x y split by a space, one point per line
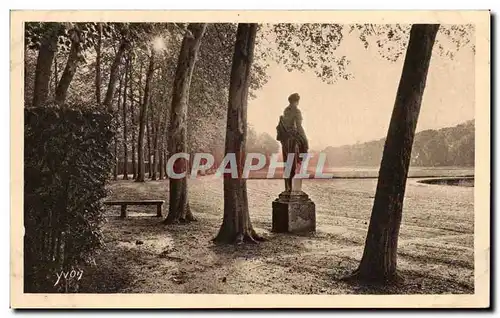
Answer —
250 159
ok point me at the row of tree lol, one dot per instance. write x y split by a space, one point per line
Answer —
129 69
450 146
215 72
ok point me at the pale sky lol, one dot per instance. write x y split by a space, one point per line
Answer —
359 109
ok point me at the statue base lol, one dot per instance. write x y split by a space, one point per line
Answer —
294 211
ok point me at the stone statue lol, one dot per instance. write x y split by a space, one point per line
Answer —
293 210
292 136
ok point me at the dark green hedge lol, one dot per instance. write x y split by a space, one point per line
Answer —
67 161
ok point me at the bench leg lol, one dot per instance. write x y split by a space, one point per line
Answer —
124 211
158 210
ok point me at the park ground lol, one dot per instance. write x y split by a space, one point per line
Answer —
141 255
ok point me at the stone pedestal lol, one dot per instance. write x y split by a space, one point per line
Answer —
294 212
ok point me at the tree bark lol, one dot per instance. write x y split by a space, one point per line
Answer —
161 148
98 64
125 146
132 114
71 66
155 127
142 119
379 260
134 163
115 171
165 156
161 170
118 103
179 210
114 75
155 153
236 225
148 139
46 54
162 128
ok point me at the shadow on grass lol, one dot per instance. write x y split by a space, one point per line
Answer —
105 278
412 283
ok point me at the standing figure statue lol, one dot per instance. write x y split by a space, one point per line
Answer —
292 136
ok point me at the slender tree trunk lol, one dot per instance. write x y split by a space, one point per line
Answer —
161 167
162 128
149 121
115 171
236 225
155 154
70 69
117 161
98 64
179 210
134 163
161 148
155 149
125 146
143 117
140 98
46 54
148 144
379 260
132 114
114 75
165 156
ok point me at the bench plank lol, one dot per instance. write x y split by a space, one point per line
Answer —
131 202
124 203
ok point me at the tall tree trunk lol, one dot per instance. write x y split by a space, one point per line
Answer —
161 147
165 156
155 149
379 260
118 103
143 117
134 163
114 75
161 168
162 128
125 146
179 210
139 98
151 142
46 54
236 225
115 171
132 114
98 64
71 65
148 139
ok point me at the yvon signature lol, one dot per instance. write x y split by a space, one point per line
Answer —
69 275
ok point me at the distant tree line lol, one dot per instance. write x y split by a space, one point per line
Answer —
450 146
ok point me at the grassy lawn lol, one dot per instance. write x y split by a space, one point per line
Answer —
142 255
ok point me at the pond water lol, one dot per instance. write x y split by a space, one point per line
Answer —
372 172
461 182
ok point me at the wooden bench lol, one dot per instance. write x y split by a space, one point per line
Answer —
124 203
